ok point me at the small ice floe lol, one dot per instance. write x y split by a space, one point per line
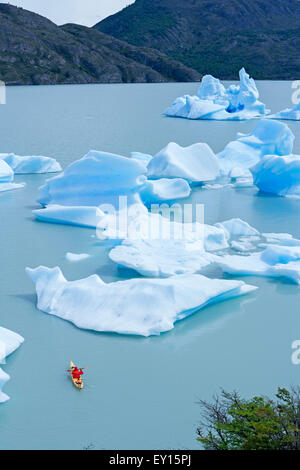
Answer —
274 261
136 306
30 164
289 114
9 342
215 102
74 258
278 175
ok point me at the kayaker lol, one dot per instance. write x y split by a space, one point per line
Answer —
76 373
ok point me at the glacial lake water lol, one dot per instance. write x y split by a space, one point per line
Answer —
141 393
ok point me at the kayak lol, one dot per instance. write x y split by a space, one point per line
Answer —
78 383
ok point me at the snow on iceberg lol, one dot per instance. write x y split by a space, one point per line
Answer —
137 306
196 163
274 261
214 102
289 114
30 164
278 175
268 137
9 342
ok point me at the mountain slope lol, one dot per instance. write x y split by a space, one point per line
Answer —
216 37
33 50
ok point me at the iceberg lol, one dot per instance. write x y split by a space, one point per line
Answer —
136 306
30 164
268 137
278 175
102 179
196 163
214 102
97 178
9 342
289 114
274 261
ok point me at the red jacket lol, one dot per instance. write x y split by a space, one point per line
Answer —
76 373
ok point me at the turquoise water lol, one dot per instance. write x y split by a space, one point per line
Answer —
140 393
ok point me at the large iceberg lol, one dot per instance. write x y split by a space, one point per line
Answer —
268 137
289 114
214 102
136 306
30 164
278 175
100 179
196 163
9 342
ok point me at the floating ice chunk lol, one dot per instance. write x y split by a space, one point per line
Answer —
31 164
237 228
215 102
137 306
155 191
98 178
278 175
288 114
274 261
9 342
74 258
196 163
268 137
6 173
